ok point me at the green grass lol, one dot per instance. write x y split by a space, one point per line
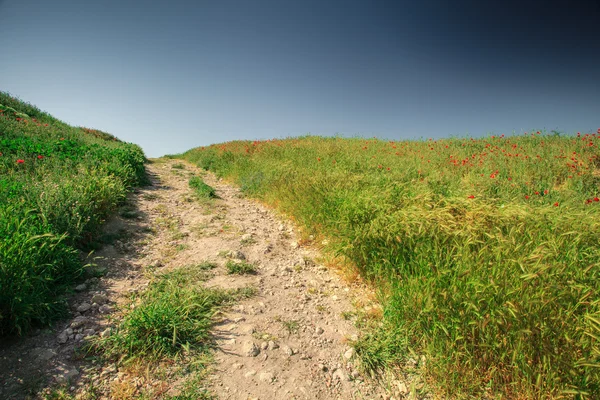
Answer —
485 251
57 185
201 189
173 315
239 268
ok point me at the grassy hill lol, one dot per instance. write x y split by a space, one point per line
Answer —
57 185
485 252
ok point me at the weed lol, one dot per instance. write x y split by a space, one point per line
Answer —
206 265
201 189
172 316
240 267
178 166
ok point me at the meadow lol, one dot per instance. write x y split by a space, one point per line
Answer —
485 252
58 183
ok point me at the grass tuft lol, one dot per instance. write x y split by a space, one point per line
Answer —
201 189
240 268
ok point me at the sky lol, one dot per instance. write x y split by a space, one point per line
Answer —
175 75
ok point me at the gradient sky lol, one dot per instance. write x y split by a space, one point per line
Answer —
179 74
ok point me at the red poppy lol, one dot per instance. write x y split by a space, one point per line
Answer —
471 197
556 204
526 197
537 192
20 161
40 157
596 199
546 191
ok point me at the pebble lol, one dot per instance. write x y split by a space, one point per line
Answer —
83 307
349 354
78 321
105 309
339 374
99 298
288 350
319 330
81 287
249 349
272 345
266 377
63 338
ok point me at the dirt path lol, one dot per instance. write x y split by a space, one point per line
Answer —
289 341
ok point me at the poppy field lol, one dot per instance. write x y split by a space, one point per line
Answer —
57 185
484 251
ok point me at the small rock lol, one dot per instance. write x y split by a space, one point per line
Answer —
79 337
83 307
249 349
349 354
89 332
339 374
319 330
105 309
78 321
264 345
80 288
250 373
99 298
63 338
237 366
288 350
321 367
294 245
272 345
266 377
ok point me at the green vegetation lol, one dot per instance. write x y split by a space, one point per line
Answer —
173 315
57 185
486 251
201 189
240 267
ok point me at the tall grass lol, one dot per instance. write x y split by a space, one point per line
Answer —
57 185
486 251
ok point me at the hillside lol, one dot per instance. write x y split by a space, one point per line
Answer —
485 252
57 185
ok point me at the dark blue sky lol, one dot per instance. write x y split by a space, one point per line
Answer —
179 74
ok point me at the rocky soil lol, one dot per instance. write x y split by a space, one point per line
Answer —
291 340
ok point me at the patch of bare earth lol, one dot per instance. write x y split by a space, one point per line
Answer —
289 341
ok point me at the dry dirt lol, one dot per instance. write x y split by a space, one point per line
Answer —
289 341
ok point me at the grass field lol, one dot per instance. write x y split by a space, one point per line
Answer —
57 185
485 251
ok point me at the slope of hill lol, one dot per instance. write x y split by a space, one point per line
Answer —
485 251
57 184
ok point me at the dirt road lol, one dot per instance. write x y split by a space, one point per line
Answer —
288 341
